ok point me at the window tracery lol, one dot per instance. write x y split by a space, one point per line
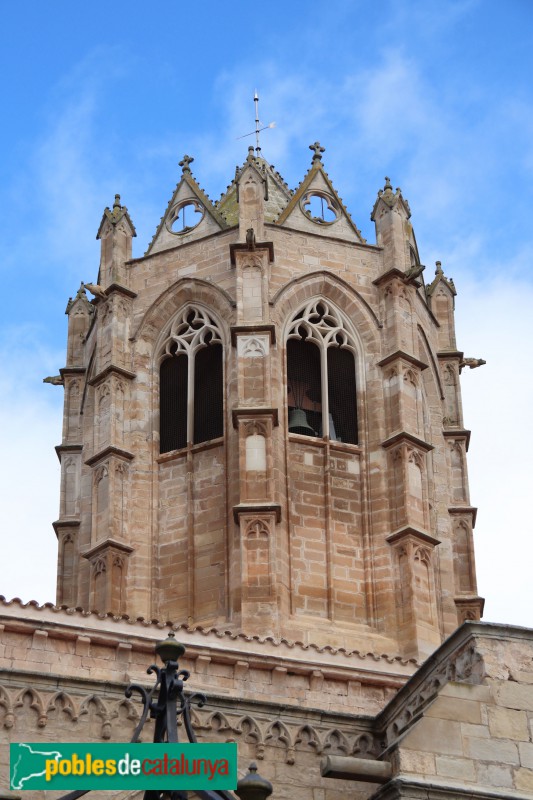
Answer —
321 374
191 394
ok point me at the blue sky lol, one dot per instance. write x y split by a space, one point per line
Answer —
101 98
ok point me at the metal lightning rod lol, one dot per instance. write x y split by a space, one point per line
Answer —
256 104
258 129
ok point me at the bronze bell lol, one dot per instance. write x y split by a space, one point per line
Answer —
298 422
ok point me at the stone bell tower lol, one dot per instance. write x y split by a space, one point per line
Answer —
263 430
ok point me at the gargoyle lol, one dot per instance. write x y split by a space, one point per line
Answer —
95 289
413 273
471 362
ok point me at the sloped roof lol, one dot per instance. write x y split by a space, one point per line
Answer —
277 193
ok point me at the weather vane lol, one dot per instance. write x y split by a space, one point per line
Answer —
258 129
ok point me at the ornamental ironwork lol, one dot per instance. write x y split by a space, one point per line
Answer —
166 703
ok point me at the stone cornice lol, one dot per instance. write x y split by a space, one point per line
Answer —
256 508
458 510
408 438
107 544
445 355
247 413
119 289
470 600
402 355
458 433
408 530
223 645
112 369
125 455
242 247
65 523
67 448
389 276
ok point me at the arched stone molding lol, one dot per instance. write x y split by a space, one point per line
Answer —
361 326
307 737
278 734
30 700
61 703
250 731
95 713
169 303
155 327
6 709
363 321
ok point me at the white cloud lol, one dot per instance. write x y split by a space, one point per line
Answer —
30 421
494 322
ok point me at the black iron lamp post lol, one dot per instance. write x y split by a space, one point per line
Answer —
165 702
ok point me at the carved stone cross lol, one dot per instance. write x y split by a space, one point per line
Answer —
185 163
318 150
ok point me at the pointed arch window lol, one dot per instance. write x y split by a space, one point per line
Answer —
191 381
321 387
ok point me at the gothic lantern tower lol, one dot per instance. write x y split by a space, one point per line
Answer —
263 429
